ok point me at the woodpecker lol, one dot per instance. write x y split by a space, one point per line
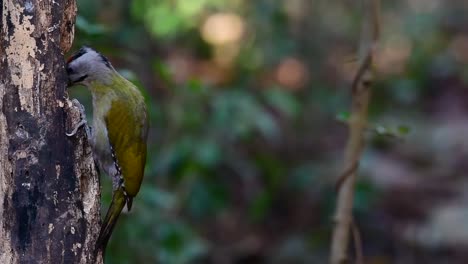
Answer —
119 130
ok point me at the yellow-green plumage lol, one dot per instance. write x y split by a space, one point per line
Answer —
127 134
118 202
126 125
131 154
119 131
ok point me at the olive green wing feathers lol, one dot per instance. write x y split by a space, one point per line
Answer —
127 128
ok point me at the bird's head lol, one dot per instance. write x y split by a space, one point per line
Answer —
88 65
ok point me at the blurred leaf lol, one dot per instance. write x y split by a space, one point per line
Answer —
302 177
208 153
169 18
284 101
273 171
403 130
343 116
206 198
365 195
195 85
391 132
157 198
162 20
240 115
260 206
163 71
406 90
89 28
178 244
382 130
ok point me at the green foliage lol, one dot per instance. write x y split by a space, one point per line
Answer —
169 18
343 116
89 28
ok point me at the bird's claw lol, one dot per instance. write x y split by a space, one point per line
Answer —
82 122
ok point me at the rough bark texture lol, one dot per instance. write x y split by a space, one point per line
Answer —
49 189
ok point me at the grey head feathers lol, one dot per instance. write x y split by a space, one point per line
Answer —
88 65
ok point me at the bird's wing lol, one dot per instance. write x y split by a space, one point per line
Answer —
127 129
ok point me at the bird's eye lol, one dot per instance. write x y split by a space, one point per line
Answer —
70 70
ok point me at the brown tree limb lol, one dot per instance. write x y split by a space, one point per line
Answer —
347 173
361 93
357 243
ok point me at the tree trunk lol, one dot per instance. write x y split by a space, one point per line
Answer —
49 189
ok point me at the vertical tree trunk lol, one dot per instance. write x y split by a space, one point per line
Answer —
49 189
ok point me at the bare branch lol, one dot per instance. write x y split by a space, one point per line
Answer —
360 92
357 243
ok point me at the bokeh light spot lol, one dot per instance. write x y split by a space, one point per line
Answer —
393 55
291 73
222 28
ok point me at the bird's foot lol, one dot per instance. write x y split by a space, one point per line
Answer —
83 121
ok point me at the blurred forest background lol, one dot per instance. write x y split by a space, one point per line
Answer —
247 101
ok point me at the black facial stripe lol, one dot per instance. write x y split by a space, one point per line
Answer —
81 78
105 60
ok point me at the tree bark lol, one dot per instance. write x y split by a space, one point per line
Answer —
49 188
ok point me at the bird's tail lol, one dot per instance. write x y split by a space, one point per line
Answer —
119 199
